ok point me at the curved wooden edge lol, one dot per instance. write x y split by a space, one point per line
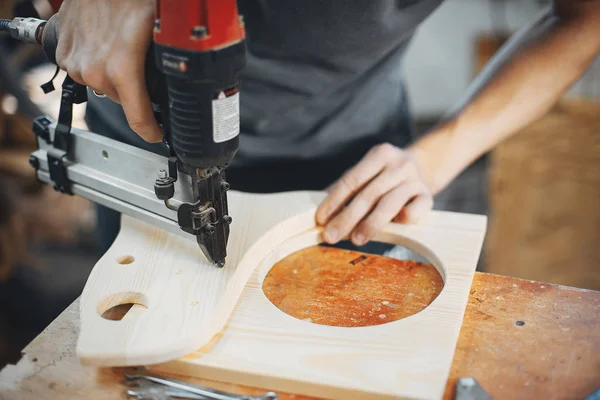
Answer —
123 343
113 347
251 259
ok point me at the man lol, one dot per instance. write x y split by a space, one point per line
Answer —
323 102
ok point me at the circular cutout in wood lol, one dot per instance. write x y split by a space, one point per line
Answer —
330 286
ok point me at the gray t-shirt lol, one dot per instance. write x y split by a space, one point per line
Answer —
321 75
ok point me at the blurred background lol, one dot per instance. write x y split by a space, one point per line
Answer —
543 185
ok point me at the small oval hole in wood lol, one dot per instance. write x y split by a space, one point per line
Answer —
117 313
124 260
126 305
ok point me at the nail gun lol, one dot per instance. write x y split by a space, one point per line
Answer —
192 76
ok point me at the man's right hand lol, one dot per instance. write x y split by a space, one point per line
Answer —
102 44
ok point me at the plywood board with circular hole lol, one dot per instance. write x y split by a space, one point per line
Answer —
193 318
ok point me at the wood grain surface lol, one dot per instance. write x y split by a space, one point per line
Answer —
554 355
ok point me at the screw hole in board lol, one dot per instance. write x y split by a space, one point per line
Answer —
105 154
118 312
124 260
115 307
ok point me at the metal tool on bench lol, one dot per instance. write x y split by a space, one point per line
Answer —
192 76
468 388
158 386
145 390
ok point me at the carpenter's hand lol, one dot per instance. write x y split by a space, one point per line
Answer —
103 44
385 185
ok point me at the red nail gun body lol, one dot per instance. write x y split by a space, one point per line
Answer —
199 47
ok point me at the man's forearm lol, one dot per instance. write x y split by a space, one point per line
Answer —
520 84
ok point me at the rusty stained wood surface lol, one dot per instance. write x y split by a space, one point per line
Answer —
529 340
329 286
520 339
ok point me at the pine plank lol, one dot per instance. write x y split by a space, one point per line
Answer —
190 305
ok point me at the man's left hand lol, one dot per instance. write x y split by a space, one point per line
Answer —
386 185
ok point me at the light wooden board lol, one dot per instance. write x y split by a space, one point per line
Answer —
190 302
187 299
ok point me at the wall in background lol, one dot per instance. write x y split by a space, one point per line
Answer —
441 61
589 85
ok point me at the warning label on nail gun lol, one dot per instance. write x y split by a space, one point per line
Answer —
226 115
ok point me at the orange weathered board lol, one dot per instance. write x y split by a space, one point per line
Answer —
336 287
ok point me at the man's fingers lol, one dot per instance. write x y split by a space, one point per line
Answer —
386 209
353 180
73 71
416 209
343 223
95 78
381 185
347 186
136 104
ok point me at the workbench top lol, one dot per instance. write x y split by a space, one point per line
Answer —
519 339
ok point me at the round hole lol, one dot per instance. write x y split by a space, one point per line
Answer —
124 260
342 287
117 312
105 154
116 306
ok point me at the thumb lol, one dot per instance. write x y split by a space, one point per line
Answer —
135 100
138 111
